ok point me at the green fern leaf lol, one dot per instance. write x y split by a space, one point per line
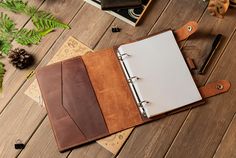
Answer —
44 21
2 72
17 6
30 11
28 37
5 46
7 29
6 24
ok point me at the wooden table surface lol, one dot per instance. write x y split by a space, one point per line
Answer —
205 131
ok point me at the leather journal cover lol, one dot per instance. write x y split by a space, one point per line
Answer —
118 4
89 97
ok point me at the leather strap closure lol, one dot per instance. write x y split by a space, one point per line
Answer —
185 31
214 88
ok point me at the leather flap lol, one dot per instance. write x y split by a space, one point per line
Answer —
185 31
214 88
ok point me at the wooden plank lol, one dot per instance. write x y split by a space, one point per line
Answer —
129 32
92 150
178 13
228 144
86 12
34 149
18 121
14 78
149 140
205 126
161 133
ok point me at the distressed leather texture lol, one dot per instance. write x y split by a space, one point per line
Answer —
111 87
71 103
118 4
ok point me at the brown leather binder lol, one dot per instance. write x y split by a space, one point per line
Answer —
89 97
118 4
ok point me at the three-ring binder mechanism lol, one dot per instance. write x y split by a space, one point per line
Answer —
131 80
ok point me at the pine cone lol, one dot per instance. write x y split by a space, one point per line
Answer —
20 58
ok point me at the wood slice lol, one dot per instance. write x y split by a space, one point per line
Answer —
218 8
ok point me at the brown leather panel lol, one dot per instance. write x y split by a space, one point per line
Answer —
61 122
113 93
80 100
71 103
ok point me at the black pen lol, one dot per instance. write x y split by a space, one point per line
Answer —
215 44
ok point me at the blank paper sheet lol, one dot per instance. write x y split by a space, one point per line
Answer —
165 80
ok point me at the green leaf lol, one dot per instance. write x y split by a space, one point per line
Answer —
2 72
7 29
17 6
28 37
45 21
6 24
45 32
30 11
5 46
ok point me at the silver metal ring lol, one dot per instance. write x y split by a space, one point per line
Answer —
131 79
146 102
121 57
